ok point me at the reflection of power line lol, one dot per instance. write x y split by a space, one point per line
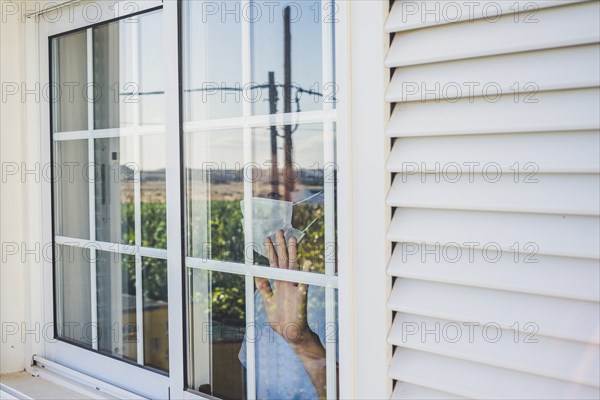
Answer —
299 90
254 87
287 86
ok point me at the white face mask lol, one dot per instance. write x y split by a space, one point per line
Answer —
269 216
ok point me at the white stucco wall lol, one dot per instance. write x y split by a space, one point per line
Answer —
12 194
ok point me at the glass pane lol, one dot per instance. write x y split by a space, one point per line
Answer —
156 313
289 190
128 187
291 342
292 180
116 173
107 76
115 285
71 189
215 187
217 320
73 295
212 60
153 191
129 72
152 73
286 56
70 80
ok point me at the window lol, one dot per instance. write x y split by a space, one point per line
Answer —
109 189
258 134
259 139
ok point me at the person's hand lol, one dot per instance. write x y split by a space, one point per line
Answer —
285 306
286 302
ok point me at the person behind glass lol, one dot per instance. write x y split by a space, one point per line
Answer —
290 338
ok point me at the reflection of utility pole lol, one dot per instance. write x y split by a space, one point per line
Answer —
273 110
288 172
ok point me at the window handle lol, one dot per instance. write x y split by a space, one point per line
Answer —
103 184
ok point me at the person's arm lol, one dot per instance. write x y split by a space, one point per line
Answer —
311 353
286 309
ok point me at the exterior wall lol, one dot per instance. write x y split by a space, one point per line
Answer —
12 195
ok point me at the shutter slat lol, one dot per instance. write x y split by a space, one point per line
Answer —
558 235
570 278
404 391
556 152
555 317
572 67
548 113
479 381
555 27
407 15
535 193
535 354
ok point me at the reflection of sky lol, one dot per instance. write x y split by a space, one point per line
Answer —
152 71
307 143
152 75
268 49
213 52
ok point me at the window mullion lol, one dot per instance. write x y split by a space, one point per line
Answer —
329 170
248 230
172 137
92 187
137 199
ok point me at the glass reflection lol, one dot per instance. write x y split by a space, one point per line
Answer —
288 180
153 191
290 185
212 59
291 340
73 301
217 321
286 56
71 189
156 313
129 80
115 291
107 75
116 174
126 179
129 72
151 74
70 79
215 187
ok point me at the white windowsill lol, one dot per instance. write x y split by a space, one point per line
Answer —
24 385
47 380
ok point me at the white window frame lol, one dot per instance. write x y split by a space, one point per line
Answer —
41 26
370 216
115 372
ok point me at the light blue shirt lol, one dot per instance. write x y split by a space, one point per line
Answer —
279 372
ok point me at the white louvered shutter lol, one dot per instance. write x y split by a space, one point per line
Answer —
537 121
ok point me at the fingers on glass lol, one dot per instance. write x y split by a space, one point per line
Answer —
307 266
264 287
293 253
273 258
282 251
303 287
